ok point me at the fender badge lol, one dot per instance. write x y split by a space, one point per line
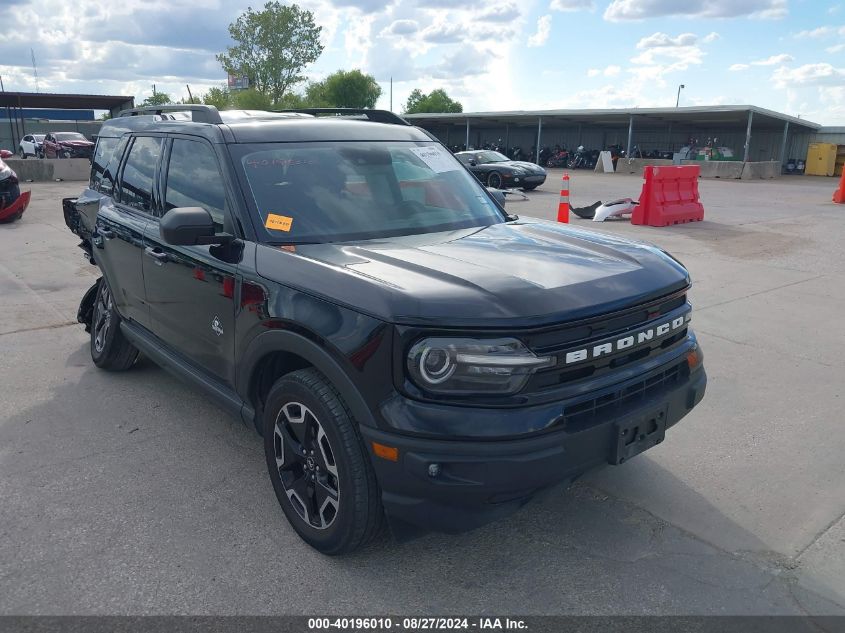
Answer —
216 326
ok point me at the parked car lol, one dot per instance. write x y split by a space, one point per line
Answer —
67 145
31 145
405 347
4 153
500 172
12 202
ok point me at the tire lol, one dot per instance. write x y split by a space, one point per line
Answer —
22 154
494 179
530 187
109 348
310 433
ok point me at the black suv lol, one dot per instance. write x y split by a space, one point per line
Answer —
404 346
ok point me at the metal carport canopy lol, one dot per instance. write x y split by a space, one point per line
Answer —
691 115
113 103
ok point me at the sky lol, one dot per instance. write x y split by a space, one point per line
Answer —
785 55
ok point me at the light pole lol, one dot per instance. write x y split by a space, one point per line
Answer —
678 99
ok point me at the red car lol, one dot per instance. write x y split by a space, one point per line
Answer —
12 202
67 145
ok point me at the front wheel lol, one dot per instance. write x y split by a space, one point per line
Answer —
319 468
109 348
494 179
22 153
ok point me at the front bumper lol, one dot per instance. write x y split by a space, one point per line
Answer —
531 180
457 485
12 202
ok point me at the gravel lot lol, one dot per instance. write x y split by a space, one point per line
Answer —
131 494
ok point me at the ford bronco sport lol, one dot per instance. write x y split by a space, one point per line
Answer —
406 348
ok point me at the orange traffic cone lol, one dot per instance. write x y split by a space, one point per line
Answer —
563 207
839 194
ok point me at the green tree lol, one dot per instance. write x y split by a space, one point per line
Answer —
344 89
272 47
220 98
157 99
251 99
435 101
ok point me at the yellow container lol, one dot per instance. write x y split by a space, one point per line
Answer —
821 159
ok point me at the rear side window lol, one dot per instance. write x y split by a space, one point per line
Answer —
102 153
193 180
136 184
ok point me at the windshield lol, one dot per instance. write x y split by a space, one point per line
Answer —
337 192
490 157
69 136
38 137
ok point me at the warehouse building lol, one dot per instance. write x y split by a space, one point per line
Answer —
753 134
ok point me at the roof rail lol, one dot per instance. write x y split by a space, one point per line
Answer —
199 113
377 116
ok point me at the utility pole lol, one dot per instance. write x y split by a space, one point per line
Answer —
190 96
678 99
34 69
391 94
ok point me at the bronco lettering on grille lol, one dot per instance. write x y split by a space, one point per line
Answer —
629 342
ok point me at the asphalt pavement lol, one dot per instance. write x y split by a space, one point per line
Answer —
132 494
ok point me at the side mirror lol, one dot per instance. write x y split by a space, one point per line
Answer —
472 162
499 196
190 226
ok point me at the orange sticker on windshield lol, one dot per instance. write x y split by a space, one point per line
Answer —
278 222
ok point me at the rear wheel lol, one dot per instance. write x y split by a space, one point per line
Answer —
109 348
320 471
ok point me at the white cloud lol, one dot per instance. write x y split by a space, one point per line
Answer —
736 67
820 74
817 33
619 10
711 37
500 13
402 27
609 71
572 5
662 40
838 48
544 28
774 60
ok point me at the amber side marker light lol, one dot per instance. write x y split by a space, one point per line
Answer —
693 359
390 453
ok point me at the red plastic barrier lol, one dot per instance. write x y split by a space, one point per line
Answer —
669 196
18 206
839 194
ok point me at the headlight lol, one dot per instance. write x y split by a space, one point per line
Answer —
465 365
6 172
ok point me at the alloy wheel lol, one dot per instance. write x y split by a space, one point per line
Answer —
306 464
102 317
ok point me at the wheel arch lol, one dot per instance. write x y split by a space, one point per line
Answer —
273 354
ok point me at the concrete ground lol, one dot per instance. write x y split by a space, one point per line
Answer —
131 494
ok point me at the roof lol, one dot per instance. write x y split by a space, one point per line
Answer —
735 114
64 101
261 127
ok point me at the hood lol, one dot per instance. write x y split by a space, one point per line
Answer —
519 274
531 167
77 143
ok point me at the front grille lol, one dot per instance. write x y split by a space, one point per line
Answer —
582 415
557 342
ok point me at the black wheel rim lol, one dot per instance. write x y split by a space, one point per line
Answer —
102 317
495 180
306 464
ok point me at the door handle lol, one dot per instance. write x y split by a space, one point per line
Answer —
105 233
159 256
